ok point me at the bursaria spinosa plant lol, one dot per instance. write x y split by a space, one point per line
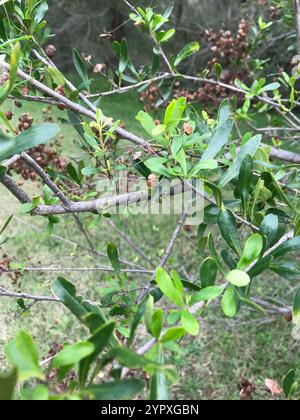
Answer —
246 180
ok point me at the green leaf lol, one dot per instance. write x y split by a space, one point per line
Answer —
159 384
174 113
73 174
173 334
27 140
288 383
40 393
117 391
218 69
131 359
250 148
14 65
7 385
228 228
190 323
296 308
230 302
252 251
157 323
270 87
288 270
23 355
203 166
291 245
73 354
187 52
56 76
218 141
238 278
148 124
167 287
113 256
166 36
100 339
208 272
209 293
269 227
80 67
245 180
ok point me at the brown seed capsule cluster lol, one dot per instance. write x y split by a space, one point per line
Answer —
227 46
25 122
45 157
150 97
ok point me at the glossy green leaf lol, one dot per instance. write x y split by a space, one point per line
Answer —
118 391
269 227
167 287
190 323
245 180
113 256
291 245
296 308
288 383
159 385
73 354
250 148
218 141
27 140
238 278
252 251
209 293
23 355
80 67
228 228
208 272
230 302
173 334
100 339
187 52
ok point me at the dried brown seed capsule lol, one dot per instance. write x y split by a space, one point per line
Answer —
9 115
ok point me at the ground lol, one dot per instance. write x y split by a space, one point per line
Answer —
210 366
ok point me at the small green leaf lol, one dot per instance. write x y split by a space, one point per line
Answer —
209 293
238 278
187 52
230 302
173 334
22 354
167 287
190 323
115 391
245 180
252 251
296 308
218 141
80 67
228 228
113 256
208 272
72 354
288 383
